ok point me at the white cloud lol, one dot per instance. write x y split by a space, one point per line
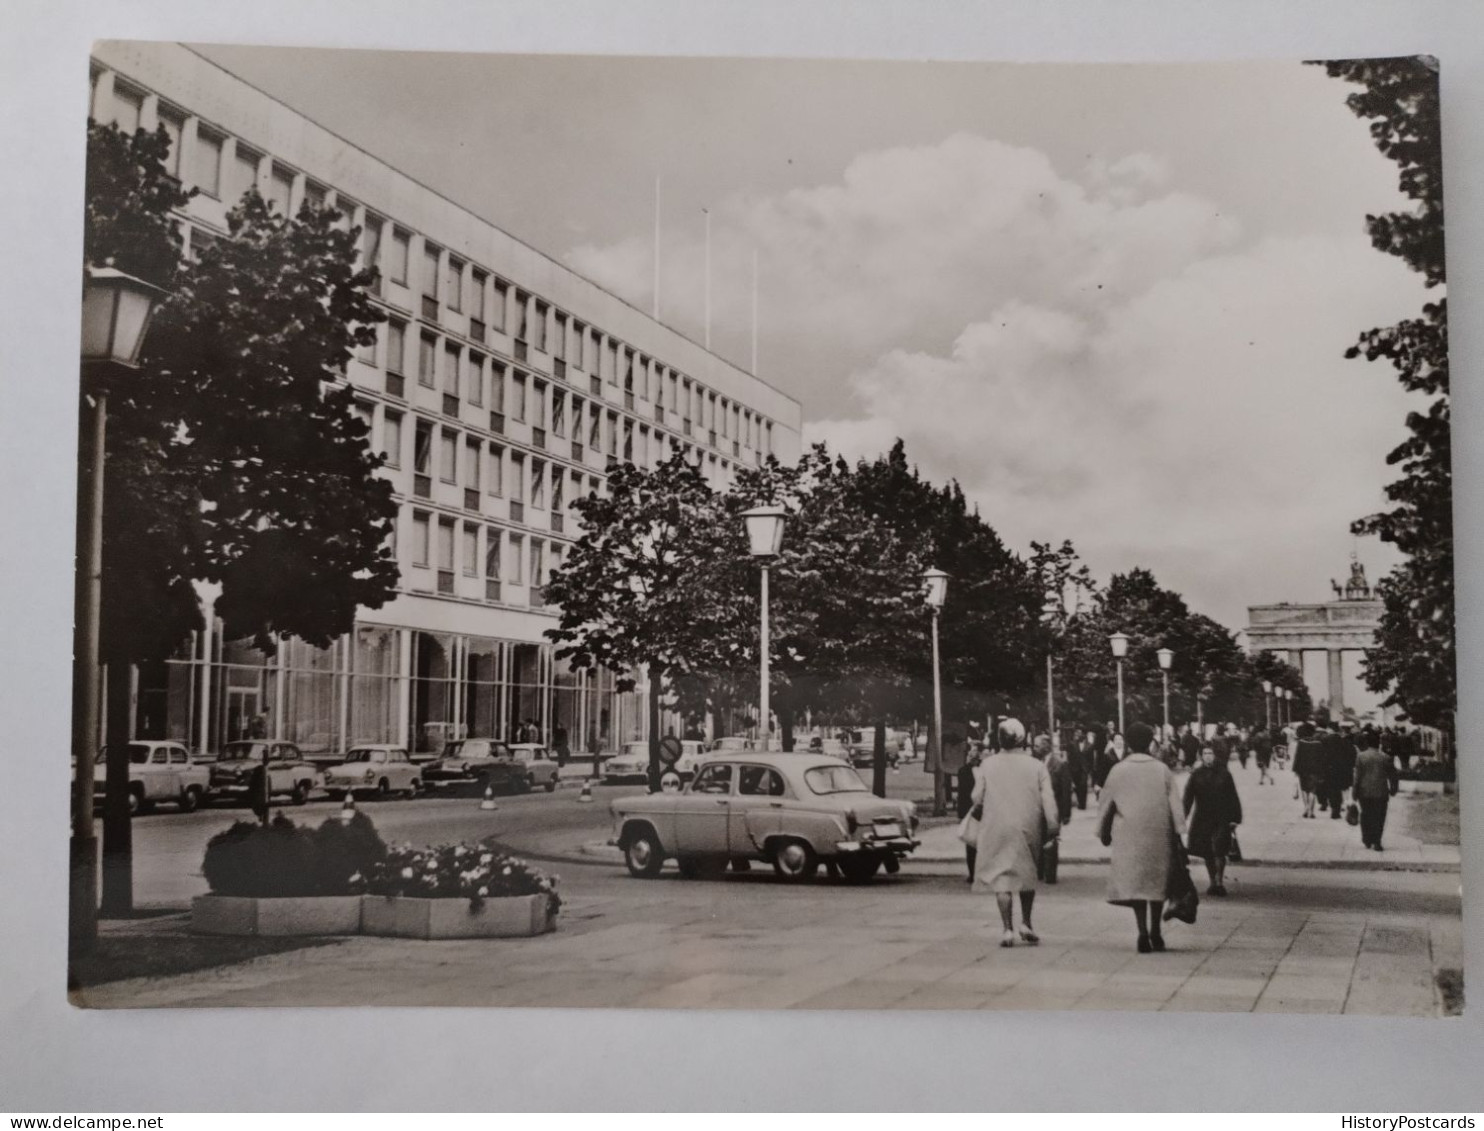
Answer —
1100 357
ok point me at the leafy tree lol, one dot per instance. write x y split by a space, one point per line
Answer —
1415 657
1070 594
991 641
233 455
847 595
655 581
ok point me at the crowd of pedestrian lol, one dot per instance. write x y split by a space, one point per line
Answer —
1162 796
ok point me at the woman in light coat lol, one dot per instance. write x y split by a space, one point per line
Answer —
1019 816
1142 815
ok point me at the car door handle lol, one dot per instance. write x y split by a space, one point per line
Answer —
721 800
775 805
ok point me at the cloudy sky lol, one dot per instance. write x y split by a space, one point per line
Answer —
1111 301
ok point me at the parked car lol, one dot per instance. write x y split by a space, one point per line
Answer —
733 745
631 764
288 772
158 772
539 766
832 748
374 768
485 762
862 744
793 810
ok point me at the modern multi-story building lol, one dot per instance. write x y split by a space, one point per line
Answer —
501 388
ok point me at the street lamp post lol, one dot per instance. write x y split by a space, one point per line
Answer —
116 311
1166 658
1267 703
935 584
1120 649
765 539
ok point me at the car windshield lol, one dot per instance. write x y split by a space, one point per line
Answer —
362 756
834 779
237 751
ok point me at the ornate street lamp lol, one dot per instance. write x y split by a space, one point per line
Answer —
1166 658
935 591
764 540
1267 703
1119 643
116 312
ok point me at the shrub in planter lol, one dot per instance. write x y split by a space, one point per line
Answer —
458 871
283 860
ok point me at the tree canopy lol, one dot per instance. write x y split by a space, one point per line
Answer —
1415 658
237 404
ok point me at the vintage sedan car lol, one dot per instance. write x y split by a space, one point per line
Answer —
288 772
484 762
631 764
536 762
792 810
733 745
158 772
374 768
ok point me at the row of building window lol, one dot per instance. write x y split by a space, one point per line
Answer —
198 156
476 550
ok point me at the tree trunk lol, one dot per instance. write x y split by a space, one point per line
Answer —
118 844
786 727
655 675
878 761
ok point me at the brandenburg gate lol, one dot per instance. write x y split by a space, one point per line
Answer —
1346 624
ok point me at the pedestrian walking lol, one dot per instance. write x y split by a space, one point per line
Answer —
1190 747
1262 751
1142 817
1080 761
1017 817
1308 768
1339 770
964 801
1213 809
1375 783
1108 757
1061 788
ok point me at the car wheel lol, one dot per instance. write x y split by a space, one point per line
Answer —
414 787
794 860
859 869
523 784
643 855
383 789
136 802
300 793
190 799
551 784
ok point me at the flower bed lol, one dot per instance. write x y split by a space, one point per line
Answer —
281 879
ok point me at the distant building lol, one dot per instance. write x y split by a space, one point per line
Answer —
501 388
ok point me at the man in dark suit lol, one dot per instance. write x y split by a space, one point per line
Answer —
1079 761
1375 785
1339 770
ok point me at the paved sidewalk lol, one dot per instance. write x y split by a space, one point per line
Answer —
1300 941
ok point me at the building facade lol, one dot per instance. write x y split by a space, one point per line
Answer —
501 388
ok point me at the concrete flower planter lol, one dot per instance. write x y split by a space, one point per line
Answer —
407 917
301 915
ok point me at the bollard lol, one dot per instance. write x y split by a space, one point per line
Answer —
348 809
489 799
587 792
